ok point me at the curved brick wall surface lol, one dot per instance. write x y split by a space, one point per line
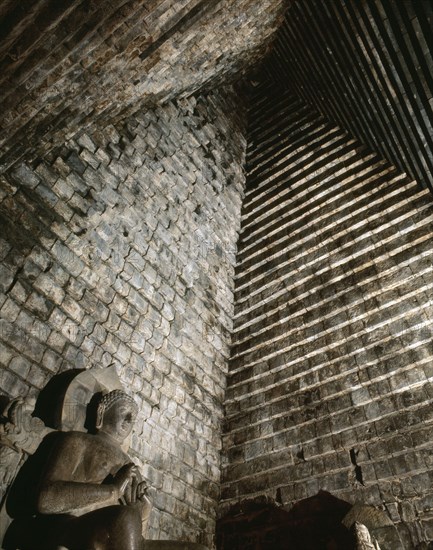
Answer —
70 65
121 250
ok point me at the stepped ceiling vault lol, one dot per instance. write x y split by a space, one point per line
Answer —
69 67
229 202
66 65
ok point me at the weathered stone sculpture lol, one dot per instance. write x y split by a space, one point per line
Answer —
90 495
89 478
364 540
20 435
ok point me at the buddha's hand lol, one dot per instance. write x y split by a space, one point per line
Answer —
136 491
141 492
123 478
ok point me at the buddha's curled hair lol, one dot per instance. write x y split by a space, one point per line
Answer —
109 399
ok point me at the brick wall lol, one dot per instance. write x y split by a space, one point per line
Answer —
368 66
70 65
120 249
330 381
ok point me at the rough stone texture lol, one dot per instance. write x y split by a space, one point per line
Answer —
121 250
368 66
330 384
118 245
68 65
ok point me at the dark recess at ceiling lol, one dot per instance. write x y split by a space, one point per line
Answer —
368 67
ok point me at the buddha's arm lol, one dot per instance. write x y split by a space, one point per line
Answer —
56 497
59 492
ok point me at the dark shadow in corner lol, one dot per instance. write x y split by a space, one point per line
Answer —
25 530
311 524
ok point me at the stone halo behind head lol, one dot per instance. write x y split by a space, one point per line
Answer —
79 393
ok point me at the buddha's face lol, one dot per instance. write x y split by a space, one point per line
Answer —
118 420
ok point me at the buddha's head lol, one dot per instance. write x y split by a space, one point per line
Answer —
115 414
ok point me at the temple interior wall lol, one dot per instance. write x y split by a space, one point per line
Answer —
268 281
329 384
119 249
330 380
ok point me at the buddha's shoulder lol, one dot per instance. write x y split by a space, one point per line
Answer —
75 435
71 438
87 442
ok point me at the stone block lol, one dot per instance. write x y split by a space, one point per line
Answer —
20 366
12 385
23 175
6 278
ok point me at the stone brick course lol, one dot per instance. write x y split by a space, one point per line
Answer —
368 67
119 248
330 382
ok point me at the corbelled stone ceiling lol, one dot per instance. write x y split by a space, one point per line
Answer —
66 65
132 178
